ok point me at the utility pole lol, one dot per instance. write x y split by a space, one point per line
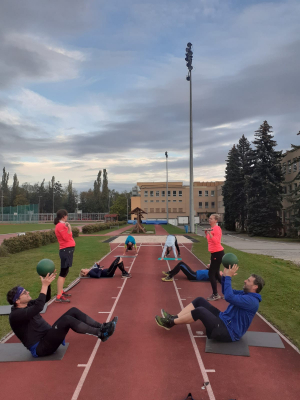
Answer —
188 59
166 154
39 207
2 204
127 208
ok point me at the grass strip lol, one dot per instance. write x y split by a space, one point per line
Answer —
20 269
173 230
280 297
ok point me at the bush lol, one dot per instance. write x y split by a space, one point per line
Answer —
75 232
3 251
100 227
30 240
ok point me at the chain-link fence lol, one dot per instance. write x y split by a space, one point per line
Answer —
34 217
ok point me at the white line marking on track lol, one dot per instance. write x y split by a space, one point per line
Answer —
267 322
182 299
114 297
81 365
197 353
103 312
210 370
93 354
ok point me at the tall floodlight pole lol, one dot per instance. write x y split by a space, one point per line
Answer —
188 59
39 207
166 154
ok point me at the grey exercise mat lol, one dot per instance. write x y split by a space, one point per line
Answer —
110 239
125 256
239 348
195 280
6 310
263 339
12 352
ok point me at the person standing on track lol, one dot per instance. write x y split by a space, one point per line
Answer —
99 272
213 237
40 338
170 244
63 232
229 325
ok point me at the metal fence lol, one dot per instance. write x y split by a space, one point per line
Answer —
31 217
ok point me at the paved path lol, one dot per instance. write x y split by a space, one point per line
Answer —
277 249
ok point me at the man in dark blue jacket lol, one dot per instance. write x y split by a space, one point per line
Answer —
227 326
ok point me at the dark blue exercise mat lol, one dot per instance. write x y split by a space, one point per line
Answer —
14 352
239 348
263 339
6 310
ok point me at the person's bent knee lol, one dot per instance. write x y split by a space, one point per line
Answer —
64 272
196 313
197 302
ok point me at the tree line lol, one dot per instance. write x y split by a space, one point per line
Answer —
52 196
253 187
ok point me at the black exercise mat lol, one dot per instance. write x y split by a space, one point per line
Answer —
6 310
191 238
126 256
239 348
193 280
263 339
13 352
110 239
102 277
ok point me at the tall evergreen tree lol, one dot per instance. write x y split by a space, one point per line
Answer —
230 189
265 186
105 192
5 189
245 154
70 202
15 189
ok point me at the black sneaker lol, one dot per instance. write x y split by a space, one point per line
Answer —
65 294
61 299
164 322
107 330
126 275
165 314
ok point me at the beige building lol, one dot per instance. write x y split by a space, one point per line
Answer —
291 168
152 198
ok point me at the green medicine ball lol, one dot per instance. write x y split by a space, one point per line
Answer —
45 267
229 259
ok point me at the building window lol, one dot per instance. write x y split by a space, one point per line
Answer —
146 193
163 210
151 210
284 190
289 166
169 209
212 192
200 204
295 186
174 193
151 193
157 201
180 193
163 193
200 193
290 188
180 201
163 201
174 201
174 209
284 168
212 203
146 201
157 193
169 193
157 210
295 166
146 209
151 201
180 210
206 193
169 201
206 204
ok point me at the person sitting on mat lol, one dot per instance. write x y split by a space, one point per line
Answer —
129 243
200 275
229 325
170 245
100 272
40 338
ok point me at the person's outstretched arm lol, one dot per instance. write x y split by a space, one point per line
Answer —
164 251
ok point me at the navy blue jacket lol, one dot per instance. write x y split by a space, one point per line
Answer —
97 272
241 310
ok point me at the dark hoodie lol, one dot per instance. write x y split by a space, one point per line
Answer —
241 310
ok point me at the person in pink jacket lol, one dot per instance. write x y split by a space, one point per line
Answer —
63 232
213 237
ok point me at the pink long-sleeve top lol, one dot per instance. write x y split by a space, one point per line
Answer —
214 243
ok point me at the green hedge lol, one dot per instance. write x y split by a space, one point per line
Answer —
100 227
30 240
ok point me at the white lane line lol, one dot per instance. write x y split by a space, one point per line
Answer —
93 354
182 299
103 312
267 322
210 370
81 365
179 288
114 297
198 356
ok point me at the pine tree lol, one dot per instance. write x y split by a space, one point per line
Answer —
15 190
264 188
245 162
70 198
230 189
5 189
105 192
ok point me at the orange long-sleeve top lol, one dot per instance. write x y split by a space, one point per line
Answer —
64 238
214 243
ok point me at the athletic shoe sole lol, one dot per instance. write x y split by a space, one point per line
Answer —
165 273
162 326
167 280
62 301
126 277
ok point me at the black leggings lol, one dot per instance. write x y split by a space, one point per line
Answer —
188 272
209 315
214 270
115 264
74 319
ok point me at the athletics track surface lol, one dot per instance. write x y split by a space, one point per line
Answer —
142 360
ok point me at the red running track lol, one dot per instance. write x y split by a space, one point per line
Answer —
159 230
142 360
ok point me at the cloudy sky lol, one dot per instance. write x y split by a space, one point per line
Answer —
87 85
